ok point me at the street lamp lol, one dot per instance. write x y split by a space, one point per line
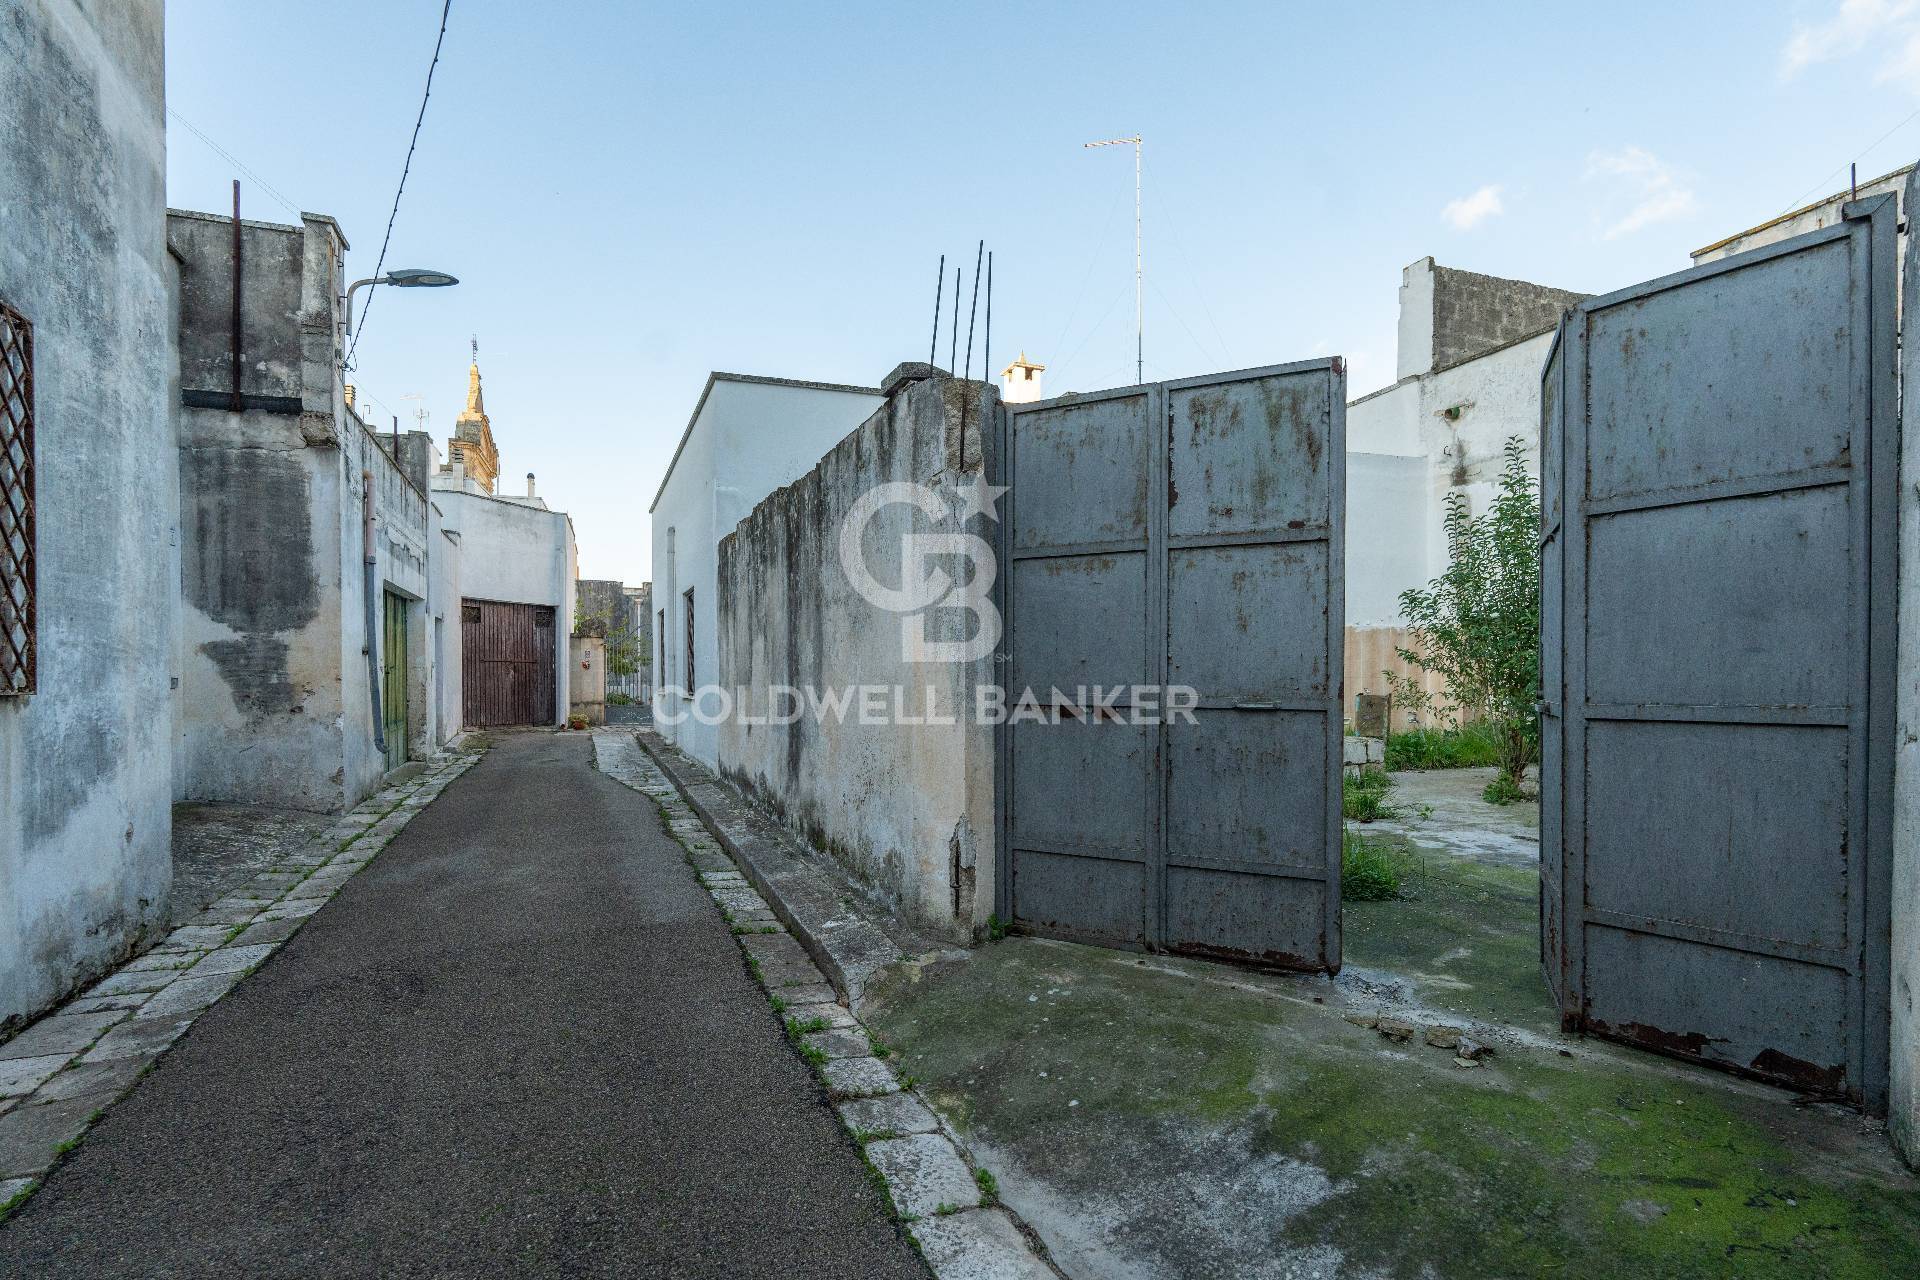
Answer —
400 277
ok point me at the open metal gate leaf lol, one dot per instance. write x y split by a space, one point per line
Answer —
1718 560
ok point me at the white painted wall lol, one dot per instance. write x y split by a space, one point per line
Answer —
86 762
518 551
747 438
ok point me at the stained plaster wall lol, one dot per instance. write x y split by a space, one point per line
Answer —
85 762
906 808
276 703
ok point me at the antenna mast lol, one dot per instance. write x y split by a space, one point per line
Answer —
1139 312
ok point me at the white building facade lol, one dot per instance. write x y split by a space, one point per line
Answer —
748 436
1471 348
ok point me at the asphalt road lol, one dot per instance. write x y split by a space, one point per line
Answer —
521 1042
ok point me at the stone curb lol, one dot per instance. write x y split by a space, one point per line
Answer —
812 900
59 1073
934 1186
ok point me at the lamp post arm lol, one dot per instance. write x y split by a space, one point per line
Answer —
353 289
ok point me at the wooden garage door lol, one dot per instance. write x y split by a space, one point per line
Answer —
507 656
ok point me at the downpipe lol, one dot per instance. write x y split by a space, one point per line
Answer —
367 576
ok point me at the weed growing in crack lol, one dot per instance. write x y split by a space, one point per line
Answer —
945 1209
814 1056
881 1049
797 1028
864 1136
779 1004
989 1186
19 1198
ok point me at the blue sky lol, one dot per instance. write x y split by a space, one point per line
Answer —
634 195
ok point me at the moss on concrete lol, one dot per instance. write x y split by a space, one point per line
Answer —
1466 934
1605 1165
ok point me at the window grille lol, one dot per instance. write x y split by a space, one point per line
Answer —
16 504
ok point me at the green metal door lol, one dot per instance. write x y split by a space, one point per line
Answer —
393 699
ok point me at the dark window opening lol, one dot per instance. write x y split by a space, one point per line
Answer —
689 604
18 658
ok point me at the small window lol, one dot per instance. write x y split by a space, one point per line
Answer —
689 603
17 616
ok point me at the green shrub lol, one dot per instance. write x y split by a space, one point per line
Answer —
619 699
1504 790
1471 746
1364 799
1477 626
1369 872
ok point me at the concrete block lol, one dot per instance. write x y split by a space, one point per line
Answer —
138 1037
839 1042
170 959
979 1244
892 1113
924 1173
31 1136
858 1078
809 994
67 1034
21 1076
832 1014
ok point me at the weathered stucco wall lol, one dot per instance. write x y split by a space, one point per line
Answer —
277 693
906 808
85 762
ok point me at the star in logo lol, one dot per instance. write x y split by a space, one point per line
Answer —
977 498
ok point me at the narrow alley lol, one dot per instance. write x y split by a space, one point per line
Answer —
521 1041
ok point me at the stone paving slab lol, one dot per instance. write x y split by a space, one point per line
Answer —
890 1114
839 1042
94 1079
66 1034
858 1077
21 1076
924 1174
834 1015
137 1037
978 1244
31 1136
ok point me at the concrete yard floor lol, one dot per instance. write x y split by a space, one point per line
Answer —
217 847
1443 809
1160 1117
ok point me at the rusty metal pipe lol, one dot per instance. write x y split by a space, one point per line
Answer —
372 563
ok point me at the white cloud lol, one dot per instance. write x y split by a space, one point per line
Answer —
1468 212
1855 26
1652 190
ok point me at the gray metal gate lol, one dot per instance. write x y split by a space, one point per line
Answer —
1185 533
1718 541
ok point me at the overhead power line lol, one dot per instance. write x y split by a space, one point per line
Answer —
399 191
234 160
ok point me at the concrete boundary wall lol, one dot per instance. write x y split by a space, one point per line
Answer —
908 811
1903 1102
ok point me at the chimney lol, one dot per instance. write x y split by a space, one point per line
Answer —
529 484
